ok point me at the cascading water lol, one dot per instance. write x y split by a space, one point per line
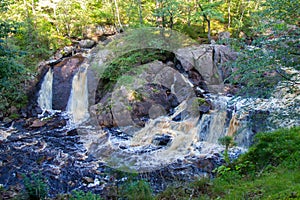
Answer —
163 141
78 101
45 93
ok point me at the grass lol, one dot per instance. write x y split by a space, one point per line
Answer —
269 170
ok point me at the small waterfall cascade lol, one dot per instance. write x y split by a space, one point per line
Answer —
164 140
78 101
214 124
45 93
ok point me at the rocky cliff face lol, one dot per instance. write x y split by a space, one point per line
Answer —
209 61
201 67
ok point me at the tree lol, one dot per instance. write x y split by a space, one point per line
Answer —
209 11
166 12
227 141
275 55
11 72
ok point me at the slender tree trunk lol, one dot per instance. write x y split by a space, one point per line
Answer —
171 21
118 15
189 11
159 18
26 8
55 19
140 12
228 12
208 22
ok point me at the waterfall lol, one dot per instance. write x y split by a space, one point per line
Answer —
45 93
194 136
213 126
78 101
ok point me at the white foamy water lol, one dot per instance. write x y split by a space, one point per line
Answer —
45 93
78 101
190 137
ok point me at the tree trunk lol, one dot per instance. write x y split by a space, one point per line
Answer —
228 12
171 21
140 12
208 22
189 12
208 30
118 15
159 18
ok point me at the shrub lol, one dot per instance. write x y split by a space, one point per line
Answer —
274 148
80 195
137 190
35 187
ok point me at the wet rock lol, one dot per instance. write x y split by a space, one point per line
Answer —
223 35
204 108
37 123
88 180
152 101
72 132
67 51
63 74
177 118
7 120
162 140
102 114
86 43
221 55
209 62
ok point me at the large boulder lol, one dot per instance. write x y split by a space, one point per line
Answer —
63 74
209 61
86 43
153 91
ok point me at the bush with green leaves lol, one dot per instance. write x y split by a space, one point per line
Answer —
80 195
281 147
137 190
12 73
273 56
35 187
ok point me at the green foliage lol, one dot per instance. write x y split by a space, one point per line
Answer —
274 148
192 31
259 69
80 195
227 141
211 10
34 44
269 170
137 190
126 64
35 187
285 10
167 10
12 73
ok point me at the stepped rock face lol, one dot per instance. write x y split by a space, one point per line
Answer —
63 74
200 66
209 61
153 92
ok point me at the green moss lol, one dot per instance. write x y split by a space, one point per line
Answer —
125 66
